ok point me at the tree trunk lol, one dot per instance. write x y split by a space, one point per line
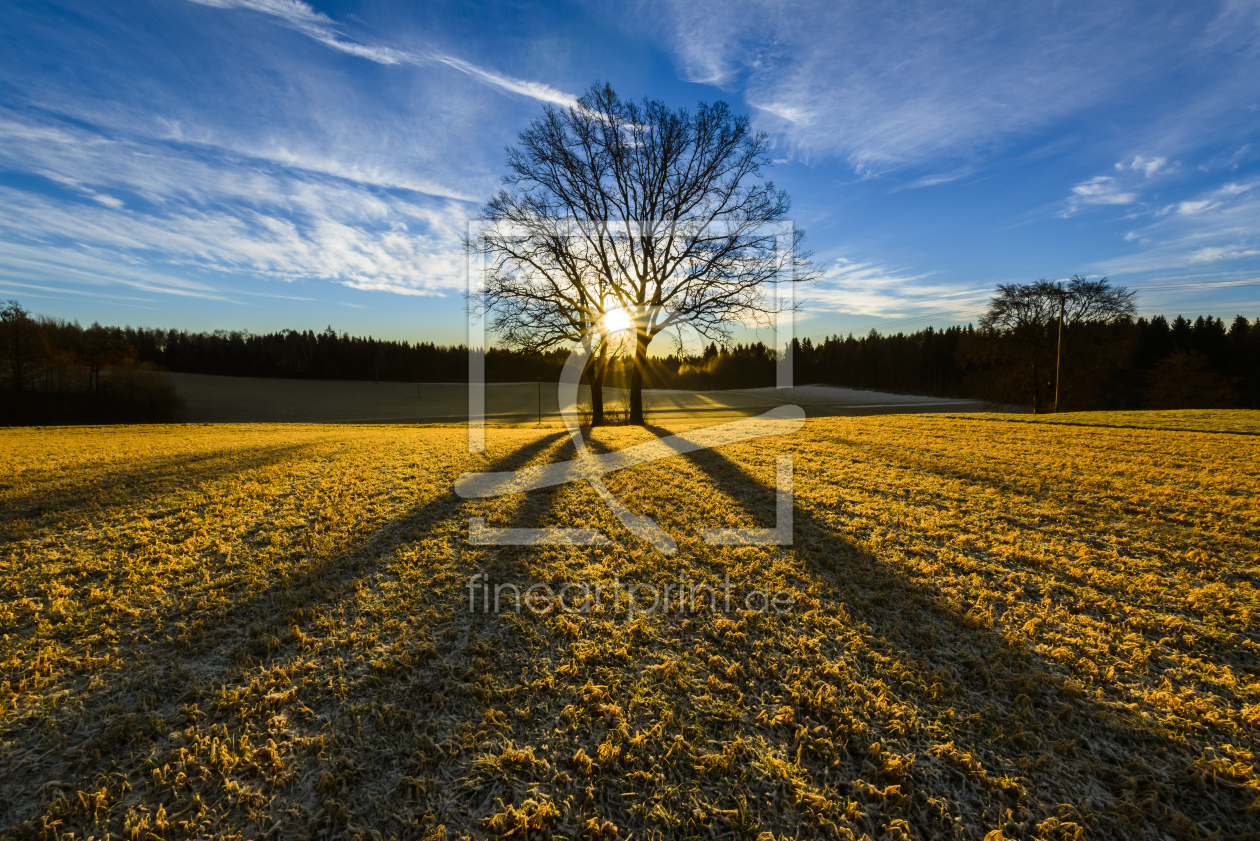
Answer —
636 378
17 359
1036 384
597 398
599 367
1058 355
595 373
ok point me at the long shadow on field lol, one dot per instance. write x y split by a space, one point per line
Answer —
60 496
1182 527
322 581
171 678
385 742
998 701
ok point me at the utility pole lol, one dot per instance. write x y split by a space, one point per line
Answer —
1058 354
540 401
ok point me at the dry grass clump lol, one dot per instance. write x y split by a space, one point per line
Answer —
264 631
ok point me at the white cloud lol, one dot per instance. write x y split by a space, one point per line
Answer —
901 83
1100 190
869 288
321 28
88 267
107 200
224 217
940 178
534 90
1132 175
305 19
294 11
1213 254
1237 189
1187 208
1218 226
1147 166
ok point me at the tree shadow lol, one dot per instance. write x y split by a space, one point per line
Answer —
171 678
1099 503
112 489
1042 736
290 596
991 723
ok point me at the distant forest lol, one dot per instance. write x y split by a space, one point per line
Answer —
57 371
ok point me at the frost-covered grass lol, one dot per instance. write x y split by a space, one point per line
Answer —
265 631
1236 421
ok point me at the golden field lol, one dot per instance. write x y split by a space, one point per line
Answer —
1042 630
1231 421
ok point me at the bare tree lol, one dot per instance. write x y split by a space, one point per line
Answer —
101 348
611 204
542 289
21 343
1047 301
1032 317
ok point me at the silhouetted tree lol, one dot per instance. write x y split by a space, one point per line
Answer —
23 344
103 348
611 203
1019 347
1185 380
1245 359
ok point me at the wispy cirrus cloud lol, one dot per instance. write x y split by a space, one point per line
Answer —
295 12
318 26
306 181
99 273
868 288
103 198
1101 189
217 216
1212 254
534 90
901 84
1132 177
1219 227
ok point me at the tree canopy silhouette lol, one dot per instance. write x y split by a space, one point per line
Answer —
614 205
1023 334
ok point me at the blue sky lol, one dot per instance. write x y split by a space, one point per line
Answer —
261 164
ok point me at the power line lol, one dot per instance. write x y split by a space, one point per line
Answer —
1223 284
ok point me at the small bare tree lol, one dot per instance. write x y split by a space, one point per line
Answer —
615 205
1031 318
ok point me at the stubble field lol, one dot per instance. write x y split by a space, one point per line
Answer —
265 631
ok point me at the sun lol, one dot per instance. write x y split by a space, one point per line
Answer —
617 320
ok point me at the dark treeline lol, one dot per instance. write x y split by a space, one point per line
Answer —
1183 364
1132 364
53 371
56 372
328 356
925 362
